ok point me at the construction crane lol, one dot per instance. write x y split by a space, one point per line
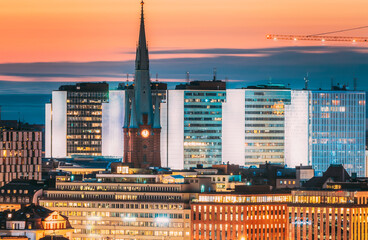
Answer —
322 37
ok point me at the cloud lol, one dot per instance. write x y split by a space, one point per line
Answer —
26 87
241 66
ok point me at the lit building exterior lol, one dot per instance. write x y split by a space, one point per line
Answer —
328 215
334 132
301 214
233 216
74 120
34 223
208 126
203 127
191 119
18 194
20 155
264 123
127 206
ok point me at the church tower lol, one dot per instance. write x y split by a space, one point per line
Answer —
142 126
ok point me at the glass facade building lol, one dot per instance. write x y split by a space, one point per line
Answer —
337 131
326 127
203 127
264 124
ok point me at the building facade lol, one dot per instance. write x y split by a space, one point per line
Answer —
74 120
20 155
233 216
19 193
301 214
328 215
205 125
126 206
34 222
326 127
264 123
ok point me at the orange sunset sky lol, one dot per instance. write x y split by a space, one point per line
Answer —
107 30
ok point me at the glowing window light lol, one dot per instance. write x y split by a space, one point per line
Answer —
129 219
162 220
94 218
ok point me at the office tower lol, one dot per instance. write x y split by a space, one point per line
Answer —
326 127
20 154
142 127
264 123
192 125
74 120
205 123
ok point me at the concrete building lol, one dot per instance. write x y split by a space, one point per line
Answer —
236 216
73 123
205 123
326 127
19 193
301 214
20 154
328 214
127 206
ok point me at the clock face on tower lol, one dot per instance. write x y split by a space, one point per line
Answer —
145 133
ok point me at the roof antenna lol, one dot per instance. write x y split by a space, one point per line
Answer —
214 74
270 80
156 84
306 81
332 83
18 120
127 79
187 76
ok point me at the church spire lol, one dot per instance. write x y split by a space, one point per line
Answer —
142 82
142 62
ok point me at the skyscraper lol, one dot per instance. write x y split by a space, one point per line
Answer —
326 127
73 123
142 127
205 124
264 123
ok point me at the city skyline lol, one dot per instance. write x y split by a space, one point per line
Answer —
204 131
